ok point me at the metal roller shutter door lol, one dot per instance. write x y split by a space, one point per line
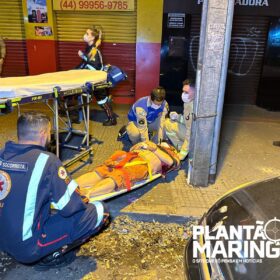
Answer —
194 45
12 30
118 44
248 41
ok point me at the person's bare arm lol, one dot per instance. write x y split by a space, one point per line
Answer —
148 145
2 48
164 157
2 52
161 122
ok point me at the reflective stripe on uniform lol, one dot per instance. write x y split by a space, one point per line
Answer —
100 212
66 197
184 152
90 67
170 133
103 101
181 119
31 196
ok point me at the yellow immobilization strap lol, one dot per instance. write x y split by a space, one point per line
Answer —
134 163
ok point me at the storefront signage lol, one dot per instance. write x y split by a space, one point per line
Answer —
38 20
94 5
176 20
246 2
37 11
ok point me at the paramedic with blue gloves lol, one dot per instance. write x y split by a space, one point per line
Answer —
148 115
92 59
42 214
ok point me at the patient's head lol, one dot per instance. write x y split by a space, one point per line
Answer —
34 128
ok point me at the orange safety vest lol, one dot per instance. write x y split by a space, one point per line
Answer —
120 160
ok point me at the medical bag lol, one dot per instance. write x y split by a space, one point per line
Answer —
115 74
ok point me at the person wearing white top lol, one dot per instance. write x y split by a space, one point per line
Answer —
177 128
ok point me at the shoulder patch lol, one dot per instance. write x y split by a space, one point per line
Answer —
140 112
5 184
62 173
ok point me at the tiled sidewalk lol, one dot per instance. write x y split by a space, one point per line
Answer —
246 154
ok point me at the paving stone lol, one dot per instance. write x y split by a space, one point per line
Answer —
246 154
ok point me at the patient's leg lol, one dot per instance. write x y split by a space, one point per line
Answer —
88 180
102 187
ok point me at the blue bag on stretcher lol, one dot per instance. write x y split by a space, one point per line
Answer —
115 74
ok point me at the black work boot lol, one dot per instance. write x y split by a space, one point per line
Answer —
55 260
110 122
122 133
109 112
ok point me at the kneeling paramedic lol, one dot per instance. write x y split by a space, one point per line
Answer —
146 116
42 214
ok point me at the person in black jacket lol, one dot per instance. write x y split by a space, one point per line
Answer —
42 215
92 59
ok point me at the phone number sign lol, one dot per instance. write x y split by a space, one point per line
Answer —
93 5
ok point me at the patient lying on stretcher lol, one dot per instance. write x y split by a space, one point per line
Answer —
124 169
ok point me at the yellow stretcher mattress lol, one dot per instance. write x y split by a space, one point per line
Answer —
41 84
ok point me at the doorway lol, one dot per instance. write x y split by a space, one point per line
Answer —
174 55
268 95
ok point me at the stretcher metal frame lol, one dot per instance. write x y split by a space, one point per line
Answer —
87 90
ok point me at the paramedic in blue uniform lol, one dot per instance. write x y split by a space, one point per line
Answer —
42 214
92 59
146 116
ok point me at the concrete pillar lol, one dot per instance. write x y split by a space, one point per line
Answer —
215 33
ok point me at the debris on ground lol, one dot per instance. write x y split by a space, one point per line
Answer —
126 250
6 263
130 249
